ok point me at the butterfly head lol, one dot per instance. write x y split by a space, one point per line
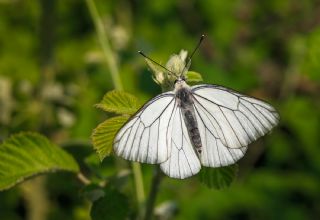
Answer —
180 83
180 80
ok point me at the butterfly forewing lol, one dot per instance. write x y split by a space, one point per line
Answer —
144 137
235 119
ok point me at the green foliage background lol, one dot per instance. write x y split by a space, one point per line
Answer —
53 71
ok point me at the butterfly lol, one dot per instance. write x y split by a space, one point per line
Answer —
193 126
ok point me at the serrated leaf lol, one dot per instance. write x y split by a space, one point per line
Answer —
27 154
193 76
218 178
103 135
119 102
114 205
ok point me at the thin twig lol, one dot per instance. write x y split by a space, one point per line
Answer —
83 179
114 71
136 168
153 193
104 42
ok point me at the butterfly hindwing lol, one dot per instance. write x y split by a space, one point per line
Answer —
183 161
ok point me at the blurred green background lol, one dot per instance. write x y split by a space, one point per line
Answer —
52 72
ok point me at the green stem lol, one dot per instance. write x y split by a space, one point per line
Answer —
104 42
114 71
138 180
153 193
83 179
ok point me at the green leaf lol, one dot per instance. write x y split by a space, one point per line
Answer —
119 102
27 154
218 178
193 76
114 205
103 135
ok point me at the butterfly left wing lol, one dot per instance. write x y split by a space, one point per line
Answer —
183 161
158 134
144 137
228 122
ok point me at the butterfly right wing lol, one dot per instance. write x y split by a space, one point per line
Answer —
228 121
144 138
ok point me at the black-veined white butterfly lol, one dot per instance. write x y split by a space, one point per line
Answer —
190 127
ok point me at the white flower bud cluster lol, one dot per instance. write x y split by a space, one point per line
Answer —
177 67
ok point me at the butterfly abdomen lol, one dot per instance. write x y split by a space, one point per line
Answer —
192 127
185 102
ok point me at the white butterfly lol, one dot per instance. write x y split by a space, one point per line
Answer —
206 125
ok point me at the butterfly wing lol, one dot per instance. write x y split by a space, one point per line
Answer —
228 121
158 134
183 161
144 138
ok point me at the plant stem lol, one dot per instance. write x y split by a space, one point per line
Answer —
153 193
136 168
83 178
104 42
114 71
35 194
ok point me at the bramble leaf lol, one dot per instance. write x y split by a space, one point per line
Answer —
103 135
193 76
119 102
27 154
218 178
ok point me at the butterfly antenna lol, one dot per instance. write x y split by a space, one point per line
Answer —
148 58
193 52
197 47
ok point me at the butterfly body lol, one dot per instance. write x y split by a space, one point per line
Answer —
185 101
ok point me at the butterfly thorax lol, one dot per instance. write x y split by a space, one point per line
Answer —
185 102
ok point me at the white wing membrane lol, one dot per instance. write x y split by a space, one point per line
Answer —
158 134
232 119
227 122
144 137
214 152
183 161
